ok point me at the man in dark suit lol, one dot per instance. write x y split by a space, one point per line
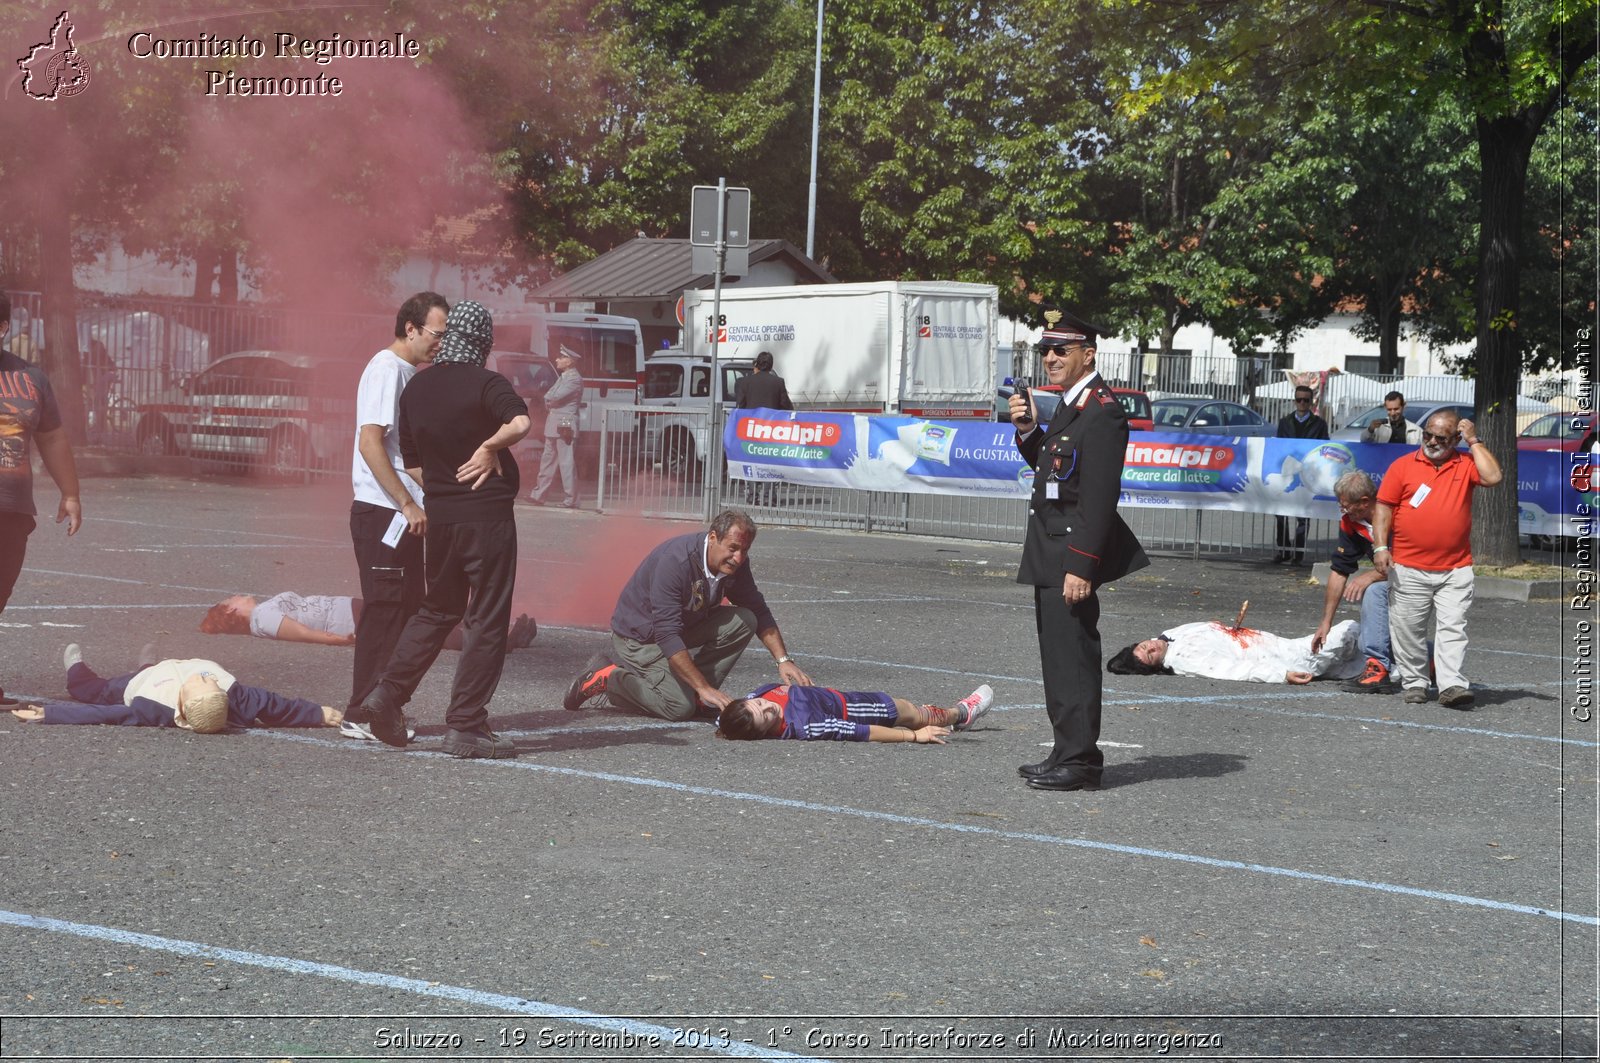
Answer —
763 388
1075 542
1301 424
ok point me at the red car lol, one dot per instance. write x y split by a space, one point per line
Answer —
1554 431
1137 405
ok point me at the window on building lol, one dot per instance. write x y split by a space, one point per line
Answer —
1367 365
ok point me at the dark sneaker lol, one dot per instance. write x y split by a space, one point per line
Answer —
1456 698
385 721
1375 680
363 731
484 745
590 683
1417 696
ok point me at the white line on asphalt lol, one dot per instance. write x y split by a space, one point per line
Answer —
968 828
290 965
1226 701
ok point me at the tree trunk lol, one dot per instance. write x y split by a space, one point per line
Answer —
1386 308
228 277
205 272
61 358
1504 146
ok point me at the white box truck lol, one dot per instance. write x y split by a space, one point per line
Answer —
911 348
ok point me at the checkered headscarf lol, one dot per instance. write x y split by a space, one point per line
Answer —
468 334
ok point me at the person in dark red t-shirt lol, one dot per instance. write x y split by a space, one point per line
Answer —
1426 502
29 418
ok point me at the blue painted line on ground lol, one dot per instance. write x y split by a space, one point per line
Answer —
1124 697
1416 724
988 832
1520 653
498 1002
109 608
228 534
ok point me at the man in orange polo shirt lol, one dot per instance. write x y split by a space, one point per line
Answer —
1426 501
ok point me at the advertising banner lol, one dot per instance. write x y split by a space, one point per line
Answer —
1291 477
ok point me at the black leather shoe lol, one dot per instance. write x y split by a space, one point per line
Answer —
1028 771
478 744
387 722
1064 779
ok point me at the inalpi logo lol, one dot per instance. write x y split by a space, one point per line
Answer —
1152 456
798 433
54 68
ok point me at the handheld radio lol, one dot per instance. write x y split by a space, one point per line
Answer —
1022 387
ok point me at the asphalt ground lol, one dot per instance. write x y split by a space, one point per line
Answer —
1270 871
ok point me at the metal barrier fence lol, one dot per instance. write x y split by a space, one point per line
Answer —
639 474
152 383
139 354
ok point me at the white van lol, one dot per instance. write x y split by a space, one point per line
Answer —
612 349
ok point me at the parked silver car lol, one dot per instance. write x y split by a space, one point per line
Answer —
281 412
1416 412
1208 416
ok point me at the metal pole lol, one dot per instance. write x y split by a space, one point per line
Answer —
816 112
600 487
713 472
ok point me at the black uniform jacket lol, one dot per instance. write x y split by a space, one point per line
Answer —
1079 532
761 389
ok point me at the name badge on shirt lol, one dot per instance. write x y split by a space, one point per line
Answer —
1052 490
1422 493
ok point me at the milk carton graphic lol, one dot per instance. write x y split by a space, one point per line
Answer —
889 468
928 442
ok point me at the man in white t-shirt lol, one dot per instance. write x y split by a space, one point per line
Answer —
392 580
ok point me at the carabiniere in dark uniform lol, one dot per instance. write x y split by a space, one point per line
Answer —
1075 542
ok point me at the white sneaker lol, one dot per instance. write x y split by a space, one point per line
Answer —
977 705
72 655
363 732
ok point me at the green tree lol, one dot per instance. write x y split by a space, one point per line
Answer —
1189 241
956 143
1511 63
600 115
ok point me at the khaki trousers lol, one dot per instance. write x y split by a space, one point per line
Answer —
1416 598
644 681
